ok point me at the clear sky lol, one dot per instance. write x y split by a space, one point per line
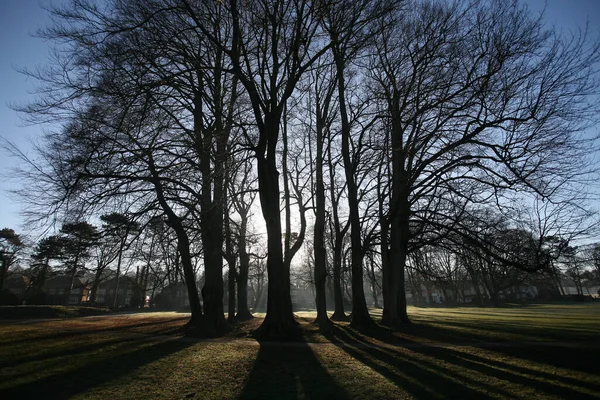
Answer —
19 19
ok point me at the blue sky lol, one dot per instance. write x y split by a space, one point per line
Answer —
19 19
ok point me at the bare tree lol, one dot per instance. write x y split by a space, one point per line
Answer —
273 44
480 100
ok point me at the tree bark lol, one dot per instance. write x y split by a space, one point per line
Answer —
243 313
338 234
320 269
279 321
360 312
183 249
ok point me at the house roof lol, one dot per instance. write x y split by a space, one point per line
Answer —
64 281
124 281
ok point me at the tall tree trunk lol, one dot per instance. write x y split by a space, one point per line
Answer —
373 279
183 246
279 321
183 249
230 257
144 290
232 278
212 200
40 281
394 307
95 285
118 277
320 268
360 312
338 234
242 284
73 273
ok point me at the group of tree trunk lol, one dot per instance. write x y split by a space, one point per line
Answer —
400 123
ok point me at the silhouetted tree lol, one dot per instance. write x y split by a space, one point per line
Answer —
47 249
11 246
120 226
78 240
479 100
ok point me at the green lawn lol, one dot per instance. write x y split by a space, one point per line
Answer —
538 351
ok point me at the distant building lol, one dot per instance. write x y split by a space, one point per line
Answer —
173 296
569 288
431 293
125 296
16 288
303 298
58 288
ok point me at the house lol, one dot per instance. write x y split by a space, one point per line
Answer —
466 292
58 288
126 291
570 288
303 298
173 296
15 290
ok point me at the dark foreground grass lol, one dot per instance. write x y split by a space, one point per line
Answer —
20 312
522 353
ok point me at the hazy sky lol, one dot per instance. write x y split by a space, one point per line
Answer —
19 19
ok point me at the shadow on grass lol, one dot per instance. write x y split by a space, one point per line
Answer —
45 355
574 350
290 371
93 372
419 378
158 327
496 331
450 372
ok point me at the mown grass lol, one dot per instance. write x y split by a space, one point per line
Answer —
20 312
526 352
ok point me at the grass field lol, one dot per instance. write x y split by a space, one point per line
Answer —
537 351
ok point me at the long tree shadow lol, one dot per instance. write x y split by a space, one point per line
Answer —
290 371
572 358
509 330
159 327
573 352
419 378
430 363
74 381
68 350
496 367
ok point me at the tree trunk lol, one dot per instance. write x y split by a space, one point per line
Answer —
212 199
243 313
40 280
144 293
121 246
338 234
360 312
373 280
183 245
230 257
231 278
279 321
394 307
95 284
68 296
320 268
183 249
